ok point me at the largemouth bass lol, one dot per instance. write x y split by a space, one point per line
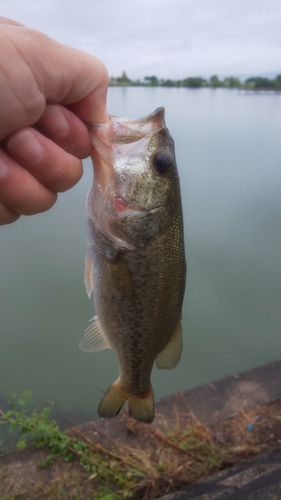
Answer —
135 266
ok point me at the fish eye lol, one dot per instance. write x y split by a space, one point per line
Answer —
161 163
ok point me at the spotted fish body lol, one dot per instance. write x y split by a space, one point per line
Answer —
135 265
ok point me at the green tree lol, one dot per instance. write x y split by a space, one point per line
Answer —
259 82
123 79
277 82
152 80
194 82
215 82
232 82
169 83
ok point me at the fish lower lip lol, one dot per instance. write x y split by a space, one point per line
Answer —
120 204
124 208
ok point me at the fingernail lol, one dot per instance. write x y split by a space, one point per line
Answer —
24 145
3 165
54 120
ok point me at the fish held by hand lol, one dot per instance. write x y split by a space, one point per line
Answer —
135 265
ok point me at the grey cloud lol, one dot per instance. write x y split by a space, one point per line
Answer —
170 38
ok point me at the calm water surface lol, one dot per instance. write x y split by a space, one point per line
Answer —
229 158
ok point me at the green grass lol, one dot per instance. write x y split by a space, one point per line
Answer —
38 430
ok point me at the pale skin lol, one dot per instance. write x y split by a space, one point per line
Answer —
47 92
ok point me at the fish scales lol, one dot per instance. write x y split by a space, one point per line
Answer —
137 263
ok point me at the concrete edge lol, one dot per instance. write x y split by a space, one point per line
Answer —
235 483
223 399
226 397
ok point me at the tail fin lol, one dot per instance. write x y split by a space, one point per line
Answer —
113 401
141 409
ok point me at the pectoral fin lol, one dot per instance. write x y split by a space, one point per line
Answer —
94 338
88 275
121 276
170 356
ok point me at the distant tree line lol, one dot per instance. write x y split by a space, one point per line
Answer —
255 82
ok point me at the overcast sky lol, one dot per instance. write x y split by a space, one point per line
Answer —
167 38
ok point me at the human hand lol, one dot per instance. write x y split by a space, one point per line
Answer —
47 91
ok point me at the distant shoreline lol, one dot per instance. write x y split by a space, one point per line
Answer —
255 83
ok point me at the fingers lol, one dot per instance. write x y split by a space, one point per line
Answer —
46 161
35 167
92 109
7 216
48 90
85 81
21 192
66 130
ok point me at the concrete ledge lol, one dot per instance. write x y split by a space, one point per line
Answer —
225 397
208 403
255 479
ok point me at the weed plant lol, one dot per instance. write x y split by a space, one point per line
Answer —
169 459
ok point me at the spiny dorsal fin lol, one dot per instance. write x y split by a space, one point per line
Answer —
88 275
170 356
94 338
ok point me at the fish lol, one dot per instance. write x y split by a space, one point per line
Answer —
135 266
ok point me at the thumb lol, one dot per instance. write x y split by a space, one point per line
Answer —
39 70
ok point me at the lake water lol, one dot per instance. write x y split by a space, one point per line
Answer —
229 158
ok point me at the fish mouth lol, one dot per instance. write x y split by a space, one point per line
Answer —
123 208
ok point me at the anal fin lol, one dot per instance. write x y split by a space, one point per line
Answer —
170 356
94 338
88 275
